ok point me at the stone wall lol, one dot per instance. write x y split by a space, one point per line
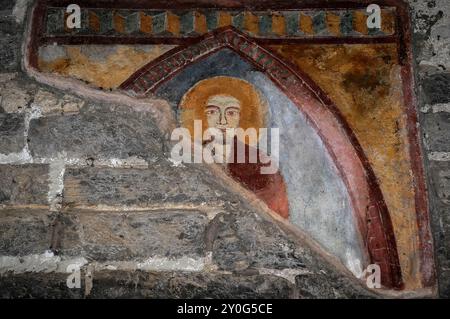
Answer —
88 183
431 41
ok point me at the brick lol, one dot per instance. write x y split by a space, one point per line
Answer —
437 129
160 184
102 133
24 185
12 130
116 235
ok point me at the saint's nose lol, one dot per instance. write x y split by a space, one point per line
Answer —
223 119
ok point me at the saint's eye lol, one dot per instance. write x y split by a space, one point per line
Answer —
211 111
232 112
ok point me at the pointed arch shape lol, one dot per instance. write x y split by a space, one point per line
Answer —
369 208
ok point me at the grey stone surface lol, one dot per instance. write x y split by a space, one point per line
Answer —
37 285
185 285
51 103
24 185
437 131
24 231
15 95
190 285
97 132
439 189
12 133
320 286
110 235
10 43
244 240
160 184
431 25
139 284
437 88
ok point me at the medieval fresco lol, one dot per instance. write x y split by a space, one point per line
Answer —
335 92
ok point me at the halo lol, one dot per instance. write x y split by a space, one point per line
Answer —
192 105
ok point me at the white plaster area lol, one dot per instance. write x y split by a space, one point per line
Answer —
319 203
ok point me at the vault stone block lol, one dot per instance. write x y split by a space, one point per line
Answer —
121 235
12 130
9 45
24 185
437 128
160 184
98 134
242 241
437 88
25 232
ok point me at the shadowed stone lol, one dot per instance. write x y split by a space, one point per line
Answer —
24 232
37 285
160 184
189 285
102 133
10 43
185 285
24 185
12 129
244 240
437 88
139 284
439 191
129 235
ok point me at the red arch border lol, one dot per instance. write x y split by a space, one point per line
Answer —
369 207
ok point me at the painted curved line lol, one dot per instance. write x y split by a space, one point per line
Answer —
370 210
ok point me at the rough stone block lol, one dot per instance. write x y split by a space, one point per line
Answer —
159 185
12 133
444 284
437 88
15 97
245 240
439 190
139 284
24 185
114 236
10 42
188 285
24 232
37 285
437 131
102 133
440 175
320 286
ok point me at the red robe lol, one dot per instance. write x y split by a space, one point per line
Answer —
268 187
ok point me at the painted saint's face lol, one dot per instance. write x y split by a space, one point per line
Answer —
222 112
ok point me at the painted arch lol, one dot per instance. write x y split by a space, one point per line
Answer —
368 206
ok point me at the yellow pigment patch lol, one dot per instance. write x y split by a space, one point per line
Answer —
200 23
387 21
251 24
306 24
278 24
333 23
108 73
224 19
364 82
146 23
173 23
360 22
